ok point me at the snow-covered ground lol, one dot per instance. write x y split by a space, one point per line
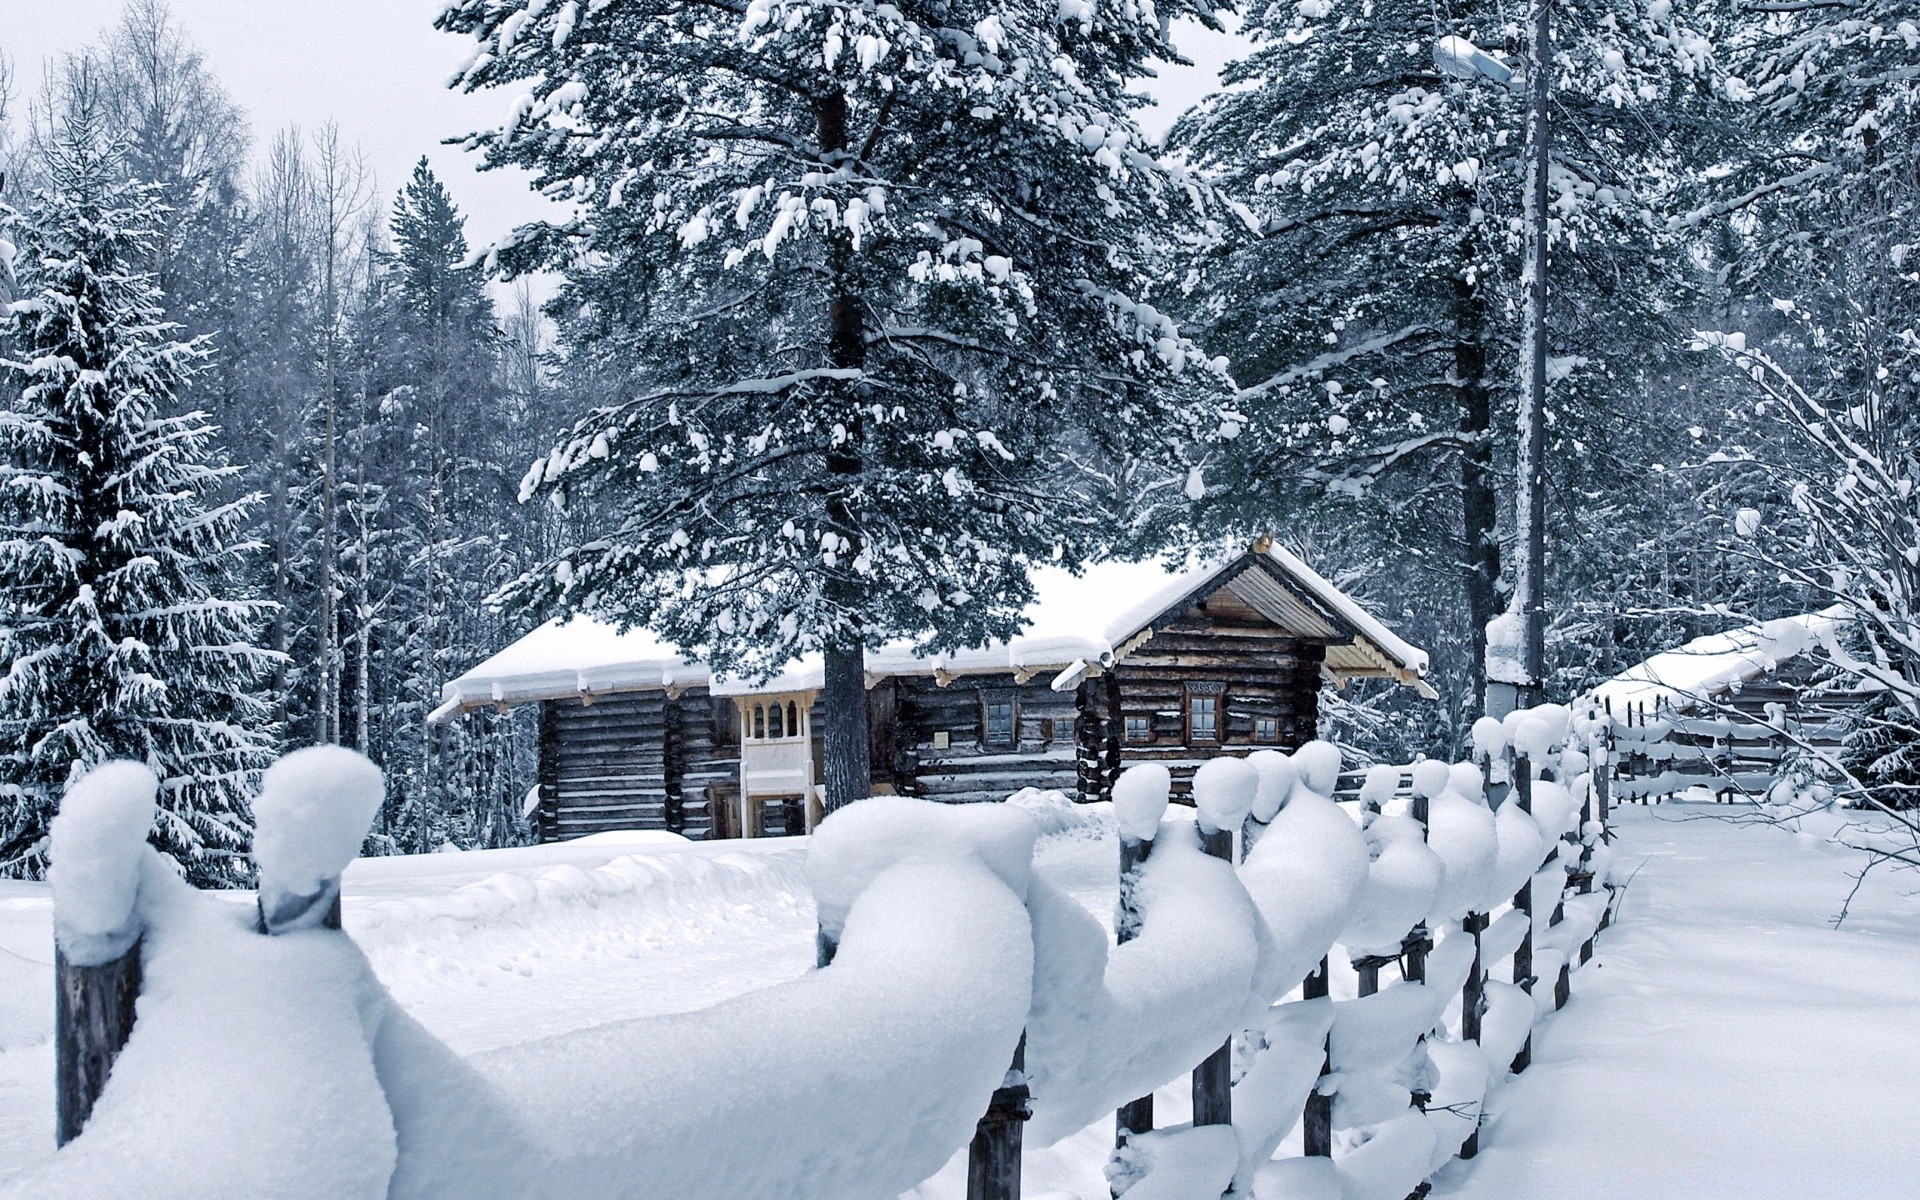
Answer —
1728 1043
1723 1045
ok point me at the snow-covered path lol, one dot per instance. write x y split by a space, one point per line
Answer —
1728 1043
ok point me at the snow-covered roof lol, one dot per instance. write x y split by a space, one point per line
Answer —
1075 622
1709 666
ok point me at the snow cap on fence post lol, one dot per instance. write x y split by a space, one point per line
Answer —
1377 789
1489 737
1277 776
1140 800
1430 778
1534 737
1223 791
98 840
312 814
1318 763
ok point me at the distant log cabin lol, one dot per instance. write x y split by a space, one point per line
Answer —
1125 663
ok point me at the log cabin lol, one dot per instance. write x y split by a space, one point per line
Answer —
1125 662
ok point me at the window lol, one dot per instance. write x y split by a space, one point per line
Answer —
759 722
1139 729
1203 712
1266 729
997 720
774 727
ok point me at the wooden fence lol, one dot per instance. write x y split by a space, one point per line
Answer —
1536 940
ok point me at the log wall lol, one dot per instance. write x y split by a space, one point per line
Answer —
634 760
1041 753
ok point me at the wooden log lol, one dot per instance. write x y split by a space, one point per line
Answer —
993 1159
546 814
1316 1122
93 1013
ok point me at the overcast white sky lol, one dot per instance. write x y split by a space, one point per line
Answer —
377 68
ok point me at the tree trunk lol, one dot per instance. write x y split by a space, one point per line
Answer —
847 769
1479 499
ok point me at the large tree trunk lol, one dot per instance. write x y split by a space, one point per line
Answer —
847 769
1479 499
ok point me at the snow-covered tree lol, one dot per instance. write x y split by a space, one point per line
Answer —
121 627
1843 526
867 286
1372 311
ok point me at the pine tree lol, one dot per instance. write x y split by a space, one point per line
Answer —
122 630
867 288
1372 311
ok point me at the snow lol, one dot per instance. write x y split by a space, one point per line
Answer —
856 845
1724 938
1401 884
1223 791
1277 777
1706 666
1112 1023
1465 836
1073 620
857 1080
1305 874
99 842
313 811
1318 765
1179 1163
1391 1163
1728 1019
1268 1098
1140 800
242 1041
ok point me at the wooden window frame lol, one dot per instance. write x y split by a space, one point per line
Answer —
1216 694
1127 726
988 701
1261 735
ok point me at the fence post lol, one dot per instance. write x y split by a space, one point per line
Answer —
1522 774
1472 999
1223 792
1135 1116
993 1160
1139 801
93 1013
1316 1123
99 841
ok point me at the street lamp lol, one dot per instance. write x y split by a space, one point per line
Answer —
1460 58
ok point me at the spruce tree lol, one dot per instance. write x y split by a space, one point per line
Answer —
867 289
1372 306
120 624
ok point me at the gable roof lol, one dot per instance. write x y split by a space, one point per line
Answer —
1075 623
1710 666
